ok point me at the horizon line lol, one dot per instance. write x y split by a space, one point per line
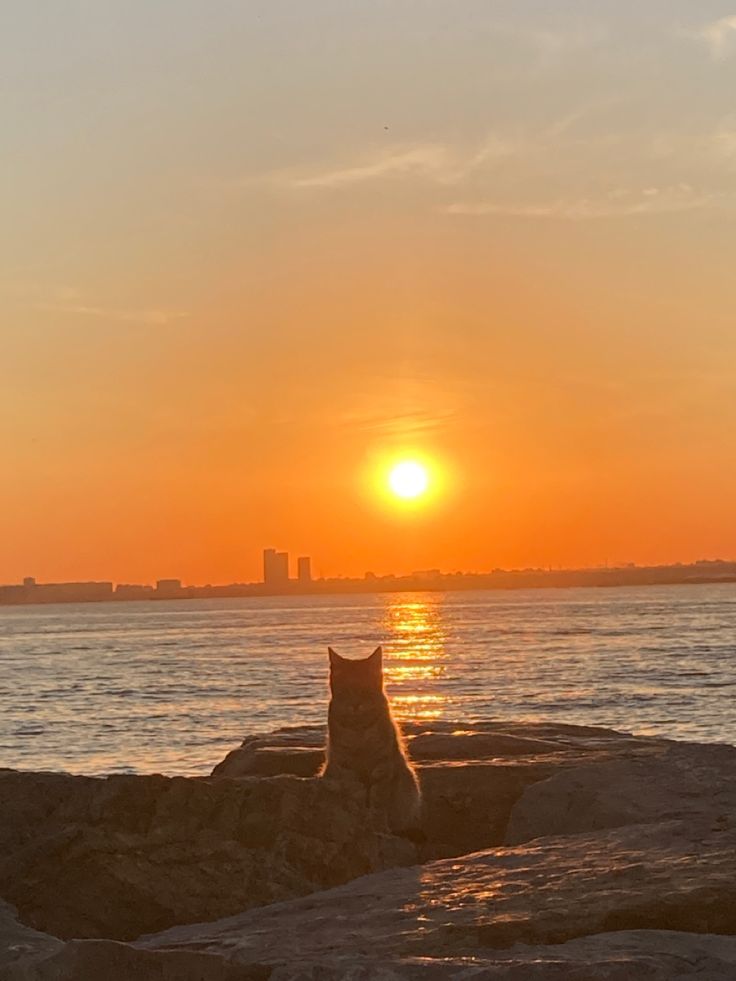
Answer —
369 576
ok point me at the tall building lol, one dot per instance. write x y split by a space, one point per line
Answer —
168 588
275 567
304 569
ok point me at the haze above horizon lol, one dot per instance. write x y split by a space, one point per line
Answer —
255 251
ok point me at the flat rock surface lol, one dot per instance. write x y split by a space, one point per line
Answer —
645 955
300 749
668 876
625 956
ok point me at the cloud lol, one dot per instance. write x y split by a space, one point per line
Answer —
435 162
557 43
68 300
550 44
720 36
149 317
406 424
638 171
442 163
619 202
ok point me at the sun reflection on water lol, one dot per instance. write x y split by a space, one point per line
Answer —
415 657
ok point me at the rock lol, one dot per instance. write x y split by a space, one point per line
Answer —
125 855
107 960
19 943
265 756
550 851
300 749
478 746
116 857
466 807
268 761
662 877
491 782
672 781
650 955
626 956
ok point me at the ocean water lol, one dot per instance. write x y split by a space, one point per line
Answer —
170 687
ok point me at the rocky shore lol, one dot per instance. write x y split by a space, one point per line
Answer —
547 852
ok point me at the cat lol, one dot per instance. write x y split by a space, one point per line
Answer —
364 743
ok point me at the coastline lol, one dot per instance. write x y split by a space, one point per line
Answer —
500 580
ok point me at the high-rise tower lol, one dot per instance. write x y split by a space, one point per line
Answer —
275 567
304 569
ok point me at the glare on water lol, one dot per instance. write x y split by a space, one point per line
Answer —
415 657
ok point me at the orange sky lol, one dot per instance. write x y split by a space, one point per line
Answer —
251 255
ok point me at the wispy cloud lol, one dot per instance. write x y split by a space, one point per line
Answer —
635 171
70 301
147 317
407 424
441 163
619 202
555 42
434 162
720 37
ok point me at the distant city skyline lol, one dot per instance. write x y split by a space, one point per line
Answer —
276 581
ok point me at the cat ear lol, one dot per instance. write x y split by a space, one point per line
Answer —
376 658
335 658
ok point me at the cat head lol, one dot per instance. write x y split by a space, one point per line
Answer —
364 676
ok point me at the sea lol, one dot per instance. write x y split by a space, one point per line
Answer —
171 686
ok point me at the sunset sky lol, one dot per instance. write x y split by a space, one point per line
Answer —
253 250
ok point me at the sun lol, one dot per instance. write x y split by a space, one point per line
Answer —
408 479
405 481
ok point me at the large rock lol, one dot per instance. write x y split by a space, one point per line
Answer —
299 750
472 776
673 781
116 857
670 876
